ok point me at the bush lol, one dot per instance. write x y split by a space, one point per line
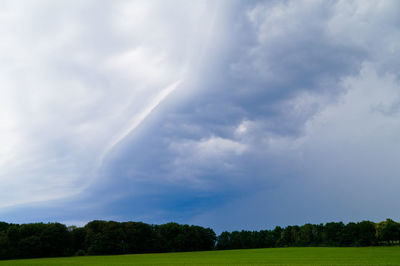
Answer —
80 252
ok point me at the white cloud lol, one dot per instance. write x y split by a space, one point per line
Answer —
196 159
242 128
78 76
209 149
217 147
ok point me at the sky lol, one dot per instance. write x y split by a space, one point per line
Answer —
227 114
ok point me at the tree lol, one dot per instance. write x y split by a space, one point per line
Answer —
388 231
78 236
333 233
224 241
366 233
306 235
104 237
277 232
140 237
265 239
30 247
13 238
351 235
4 246
55 240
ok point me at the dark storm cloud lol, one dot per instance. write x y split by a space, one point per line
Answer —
284 112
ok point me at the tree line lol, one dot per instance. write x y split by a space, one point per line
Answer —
108 237
334 234
100 238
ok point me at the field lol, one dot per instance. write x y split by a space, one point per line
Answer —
272 256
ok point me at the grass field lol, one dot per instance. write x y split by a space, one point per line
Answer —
272 256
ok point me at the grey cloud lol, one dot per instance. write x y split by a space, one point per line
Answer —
278 113
289 65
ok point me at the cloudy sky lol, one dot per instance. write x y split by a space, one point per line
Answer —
227 114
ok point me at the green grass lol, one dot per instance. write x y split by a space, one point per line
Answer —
271 256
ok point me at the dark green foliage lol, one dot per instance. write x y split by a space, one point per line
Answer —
333 233
367 233
388 231
100 237
175 237
55 240
4 245
109 237
308 235
364 233
351 235
80 252
78 236
4 226
104 238
140 237
224 241
30 247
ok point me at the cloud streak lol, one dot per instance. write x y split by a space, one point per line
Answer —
75 74
138 119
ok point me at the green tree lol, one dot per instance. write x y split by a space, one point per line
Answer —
333 233
388 231
367 233
224 241
351 235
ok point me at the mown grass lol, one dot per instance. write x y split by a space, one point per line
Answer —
271 256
